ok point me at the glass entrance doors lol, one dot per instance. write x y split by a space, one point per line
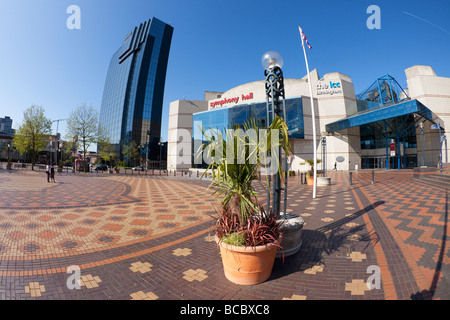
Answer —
405 162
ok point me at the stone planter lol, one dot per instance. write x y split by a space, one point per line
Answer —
323 181
291 235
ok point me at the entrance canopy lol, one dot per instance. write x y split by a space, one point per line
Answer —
387 118
381 113
384 99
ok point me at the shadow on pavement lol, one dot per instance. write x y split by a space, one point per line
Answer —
325 241
429 294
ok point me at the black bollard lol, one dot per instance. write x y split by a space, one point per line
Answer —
373 176
351 178
301 178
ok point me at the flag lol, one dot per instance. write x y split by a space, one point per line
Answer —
304 38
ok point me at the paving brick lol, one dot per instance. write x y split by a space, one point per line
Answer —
143 233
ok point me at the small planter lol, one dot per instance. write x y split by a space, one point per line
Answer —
291 235
310 181
247 265
323 181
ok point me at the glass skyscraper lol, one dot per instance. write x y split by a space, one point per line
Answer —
134 89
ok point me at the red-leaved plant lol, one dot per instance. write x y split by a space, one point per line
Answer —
260 229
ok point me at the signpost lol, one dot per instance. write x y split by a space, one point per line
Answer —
392 148
441 139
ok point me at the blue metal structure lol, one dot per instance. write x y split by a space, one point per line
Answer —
385 113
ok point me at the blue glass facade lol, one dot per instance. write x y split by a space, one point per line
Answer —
224 118
134 89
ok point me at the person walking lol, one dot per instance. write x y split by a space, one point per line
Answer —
47 171
52 174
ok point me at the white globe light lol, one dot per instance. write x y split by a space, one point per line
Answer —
271 59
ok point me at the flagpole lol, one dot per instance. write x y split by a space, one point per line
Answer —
313 117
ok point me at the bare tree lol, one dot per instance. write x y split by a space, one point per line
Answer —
83 123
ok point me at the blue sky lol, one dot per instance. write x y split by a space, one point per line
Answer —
216 45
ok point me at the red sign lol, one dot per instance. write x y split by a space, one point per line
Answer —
220 103
392 149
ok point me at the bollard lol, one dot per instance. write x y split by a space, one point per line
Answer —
373 176
351 178
197 173
182 172
301 178
174 173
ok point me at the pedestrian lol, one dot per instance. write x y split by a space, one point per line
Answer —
47 171
52 174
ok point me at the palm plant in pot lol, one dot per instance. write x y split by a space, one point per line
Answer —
310 172
248 236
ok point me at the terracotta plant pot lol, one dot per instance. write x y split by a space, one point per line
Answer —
247 265
310 181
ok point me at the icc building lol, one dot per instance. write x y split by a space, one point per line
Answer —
132 103
385 126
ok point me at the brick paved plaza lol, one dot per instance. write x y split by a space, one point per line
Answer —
149 237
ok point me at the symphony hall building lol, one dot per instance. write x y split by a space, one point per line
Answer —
385 126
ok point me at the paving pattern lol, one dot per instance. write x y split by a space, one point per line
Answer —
149 238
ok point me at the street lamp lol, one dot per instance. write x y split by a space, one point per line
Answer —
272 63
146 155
9 146
423 144
160 153
324 153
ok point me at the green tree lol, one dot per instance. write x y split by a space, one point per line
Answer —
32 135
66 150
131 152
106 150
83 123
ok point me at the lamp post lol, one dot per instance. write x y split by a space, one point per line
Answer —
324 153
423 144
275 104
160 153
146 154
9 146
